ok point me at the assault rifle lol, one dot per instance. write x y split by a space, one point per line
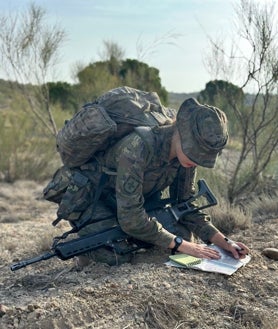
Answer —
166 212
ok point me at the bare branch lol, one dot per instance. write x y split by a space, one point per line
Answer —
146 50
255 56
28 51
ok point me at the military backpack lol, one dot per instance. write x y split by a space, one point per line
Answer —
76 186
111 116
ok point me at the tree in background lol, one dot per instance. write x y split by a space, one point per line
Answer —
28 52
141 76
113 71
252 63
94 80
222 94
62 93
113 54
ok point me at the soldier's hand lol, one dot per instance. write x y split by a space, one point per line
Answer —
197 250
237 249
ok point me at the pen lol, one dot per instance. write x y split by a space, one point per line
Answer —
233 244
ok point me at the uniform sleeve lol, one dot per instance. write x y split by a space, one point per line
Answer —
200 224
132 217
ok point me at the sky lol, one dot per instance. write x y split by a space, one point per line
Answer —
173 34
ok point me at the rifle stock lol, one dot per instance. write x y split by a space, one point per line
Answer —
110 237
204 199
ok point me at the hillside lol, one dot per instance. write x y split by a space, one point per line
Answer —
176 99
145 294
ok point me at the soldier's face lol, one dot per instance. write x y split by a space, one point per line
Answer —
183 159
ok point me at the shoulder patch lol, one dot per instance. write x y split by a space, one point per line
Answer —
131 185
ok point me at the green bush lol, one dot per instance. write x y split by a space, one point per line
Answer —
27 151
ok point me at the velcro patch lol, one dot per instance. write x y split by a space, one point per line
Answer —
131 185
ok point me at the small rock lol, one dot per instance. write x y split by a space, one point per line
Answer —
32 307
195 303
271 253
272 267
3 310
15 323
271 302
167 285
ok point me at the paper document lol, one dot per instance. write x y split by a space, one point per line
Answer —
227 264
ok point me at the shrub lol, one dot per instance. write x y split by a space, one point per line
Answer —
27 152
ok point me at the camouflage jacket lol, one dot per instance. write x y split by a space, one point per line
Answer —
143 168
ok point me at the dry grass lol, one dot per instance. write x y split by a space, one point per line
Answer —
264 207
163 315
228 218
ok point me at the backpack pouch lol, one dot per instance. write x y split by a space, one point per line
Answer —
81 136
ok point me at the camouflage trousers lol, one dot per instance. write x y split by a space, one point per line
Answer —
105 218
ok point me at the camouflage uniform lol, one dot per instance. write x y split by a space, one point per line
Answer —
141 161
143 170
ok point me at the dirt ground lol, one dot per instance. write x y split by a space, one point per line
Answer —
144 294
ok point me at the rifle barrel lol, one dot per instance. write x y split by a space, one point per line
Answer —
29 261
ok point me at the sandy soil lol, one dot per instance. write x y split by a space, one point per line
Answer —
144 294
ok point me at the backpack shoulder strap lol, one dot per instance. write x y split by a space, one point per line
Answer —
146 134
